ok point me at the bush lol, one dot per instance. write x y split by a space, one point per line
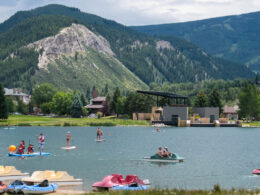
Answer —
98 115
66 124
24 124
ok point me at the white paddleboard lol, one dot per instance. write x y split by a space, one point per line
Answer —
100 140
69 148
6 128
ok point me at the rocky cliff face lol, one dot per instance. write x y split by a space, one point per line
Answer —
76 38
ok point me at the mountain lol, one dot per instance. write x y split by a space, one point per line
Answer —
76 50
232 37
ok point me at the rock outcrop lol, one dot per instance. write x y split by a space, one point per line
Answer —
76 38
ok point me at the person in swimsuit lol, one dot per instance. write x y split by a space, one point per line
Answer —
98 134
160 154
68 138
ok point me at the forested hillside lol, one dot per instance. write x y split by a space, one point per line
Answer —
231 37
151 59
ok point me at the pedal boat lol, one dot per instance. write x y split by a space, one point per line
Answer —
173 158
61 178
11 173
256 171
113 180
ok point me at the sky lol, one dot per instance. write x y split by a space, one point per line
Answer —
141 12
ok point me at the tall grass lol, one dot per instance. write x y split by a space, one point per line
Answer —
24 120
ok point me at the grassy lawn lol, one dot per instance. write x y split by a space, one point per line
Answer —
252 124
24 120
215 191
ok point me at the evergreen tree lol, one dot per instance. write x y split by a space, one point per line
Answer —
201 100
76 107
116 95
3 105
214 99
83 100
10 105
106 90
248 101
21 107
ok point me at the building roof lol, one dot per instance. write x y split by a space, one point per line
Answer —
94 106
14 92
231 110
99 99
163 94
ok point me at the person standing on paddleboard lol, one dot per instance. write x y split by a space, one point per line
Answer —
68 138
41 142
98 134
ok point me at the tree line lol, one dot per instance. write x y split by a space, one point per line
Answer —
50 100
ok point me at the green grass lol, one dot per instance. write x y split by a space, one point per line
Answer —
215 191
24 120
252 124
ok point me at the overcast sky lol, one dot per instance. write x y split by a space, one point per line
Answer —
142 12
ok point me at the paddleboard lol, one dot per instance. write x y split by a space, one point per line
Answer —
163 160
6 128
100 140
69 148
30 155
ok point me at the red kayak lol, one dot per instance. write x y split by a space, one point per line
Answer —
116 179
256 171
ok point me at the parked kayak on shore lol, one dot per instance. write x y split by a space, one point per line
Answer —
29 155
132 187
16 187
2 187
39 189
173 158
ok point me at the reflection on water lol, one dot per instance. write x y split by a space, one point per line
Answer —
225 156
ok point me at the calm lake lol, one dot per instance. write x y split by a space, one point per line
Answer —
224 156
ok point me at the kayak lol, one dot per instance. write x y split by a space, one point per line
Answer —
29 155
130 187
173 158
69 148
16 186
100 140
37 189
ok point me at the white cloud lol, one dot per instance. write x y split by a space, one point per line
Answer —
141 12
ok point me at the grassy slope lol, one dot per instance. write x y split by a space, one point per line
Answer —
24 120
70 72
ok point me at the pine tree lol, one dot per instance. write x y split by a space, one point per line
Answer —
76 107
248 101
3 105
83 100
201 100
116 95
214 99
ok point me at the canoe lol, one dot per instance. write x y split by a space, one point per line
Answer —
173 158
69 148
256 171
37 189
30 155
130 188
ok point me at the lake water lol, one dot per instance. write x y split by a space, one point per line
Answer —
224 156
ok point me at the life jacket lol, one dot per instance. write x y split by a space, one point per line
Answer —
41 138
